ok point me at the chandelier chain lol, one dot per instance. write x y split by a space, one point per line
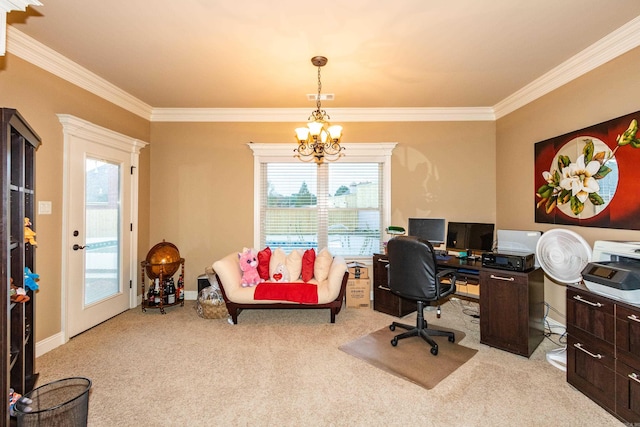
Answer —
318 105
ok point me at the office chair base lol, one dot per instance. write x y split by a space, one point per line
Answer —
422 331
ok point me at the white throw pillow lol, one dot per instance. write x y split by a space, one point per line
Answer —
294 264
322 265
277 257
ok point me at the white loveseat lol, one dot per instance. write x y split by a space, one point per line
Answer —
330 289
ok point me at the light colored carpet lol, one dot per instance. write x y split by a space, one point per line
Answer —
411 359
284 368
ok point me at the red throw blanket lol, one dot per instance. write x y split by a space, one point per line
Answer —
303 293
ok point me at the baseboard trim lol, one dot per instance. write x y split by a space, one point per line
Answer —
48 344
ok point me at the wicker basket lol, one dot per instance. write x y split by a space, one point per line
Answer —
210 309
210 303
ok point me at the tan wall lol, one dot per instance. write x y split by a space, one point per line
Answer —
202 179
39 96
196 179
610 91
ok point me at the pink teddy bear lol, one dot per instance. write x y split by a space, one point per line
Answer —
248 260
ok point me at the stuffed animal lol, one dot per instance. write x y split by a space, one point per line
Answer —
280 274
17 294
16 399
248 260
30 279
29 235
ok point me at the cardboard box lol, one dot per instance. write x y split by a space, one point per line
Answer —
358 293
357 270
467 289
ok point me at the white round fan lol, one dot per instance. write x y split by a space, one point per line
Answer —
563 254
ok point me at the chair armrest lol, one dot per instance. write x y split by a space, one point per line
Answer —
451 275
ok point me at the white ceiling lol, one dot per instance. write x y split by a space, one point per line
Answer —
191 54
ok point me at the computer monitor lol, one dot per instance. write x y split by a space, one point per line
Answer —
481 236
457 235
431 229
470 235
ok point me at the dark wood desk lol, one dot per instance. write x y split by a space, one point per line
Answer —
383 300
511 303
456 263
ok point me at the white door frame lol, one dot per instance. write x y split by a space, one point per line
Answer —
76 128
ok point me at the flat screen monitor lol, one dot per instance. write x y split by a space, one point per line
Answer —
470 235
430 229
457 235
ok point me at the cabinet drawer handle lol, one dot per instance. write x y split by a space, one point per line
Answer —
508 279
634 377
595 356
384 261
634 318
594 304
384 288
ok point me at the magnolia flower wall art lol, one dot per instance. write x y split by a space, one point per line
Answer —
590 177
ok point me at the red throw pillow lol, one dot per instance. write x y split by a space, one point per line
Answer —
308 261
264 256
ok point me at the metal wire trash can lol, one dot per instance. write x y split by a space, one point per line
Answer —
62 403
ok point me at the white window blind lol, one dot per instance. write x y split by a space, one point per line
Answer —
337 205
343 206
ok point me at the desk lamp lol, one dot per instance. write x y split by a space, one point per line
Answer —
393 230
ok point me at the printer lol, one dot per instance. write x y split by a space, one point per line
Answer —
614 270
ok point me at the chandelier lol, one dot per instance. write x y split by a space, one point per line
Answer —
319 140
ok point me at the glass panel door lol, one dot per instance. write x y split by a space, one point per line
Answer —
103 219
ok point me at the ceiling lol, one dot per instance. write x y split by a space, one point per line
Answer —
256 54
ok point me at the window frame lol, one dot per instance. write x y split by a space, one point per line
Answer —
364 152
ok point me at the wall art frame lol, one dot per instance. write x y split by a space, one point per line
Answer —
590 177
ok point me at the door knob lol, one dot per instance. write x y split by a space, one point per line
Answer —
77 246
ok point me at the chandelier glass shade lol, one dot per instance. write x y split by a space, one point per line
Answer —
319 140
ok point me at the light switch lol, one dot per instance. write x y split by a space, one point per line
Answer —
44 208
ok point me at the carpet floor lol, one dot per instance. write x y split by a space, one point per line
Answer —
285 368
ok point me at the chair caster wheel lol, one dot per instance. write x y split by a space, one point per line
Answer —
394 342
434 351
452 339
392 327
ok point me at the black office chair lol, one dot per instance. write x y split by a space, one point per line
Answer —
412 274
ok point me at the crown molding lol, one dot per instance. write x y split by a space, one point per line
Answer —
609 47
342 115
31 50
7 6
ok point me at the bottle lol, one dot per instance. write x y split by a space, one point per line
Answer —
171 292
156 292
150 301
165 292
180 288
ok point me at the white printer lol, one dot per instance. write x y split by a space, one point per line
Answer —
614 270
